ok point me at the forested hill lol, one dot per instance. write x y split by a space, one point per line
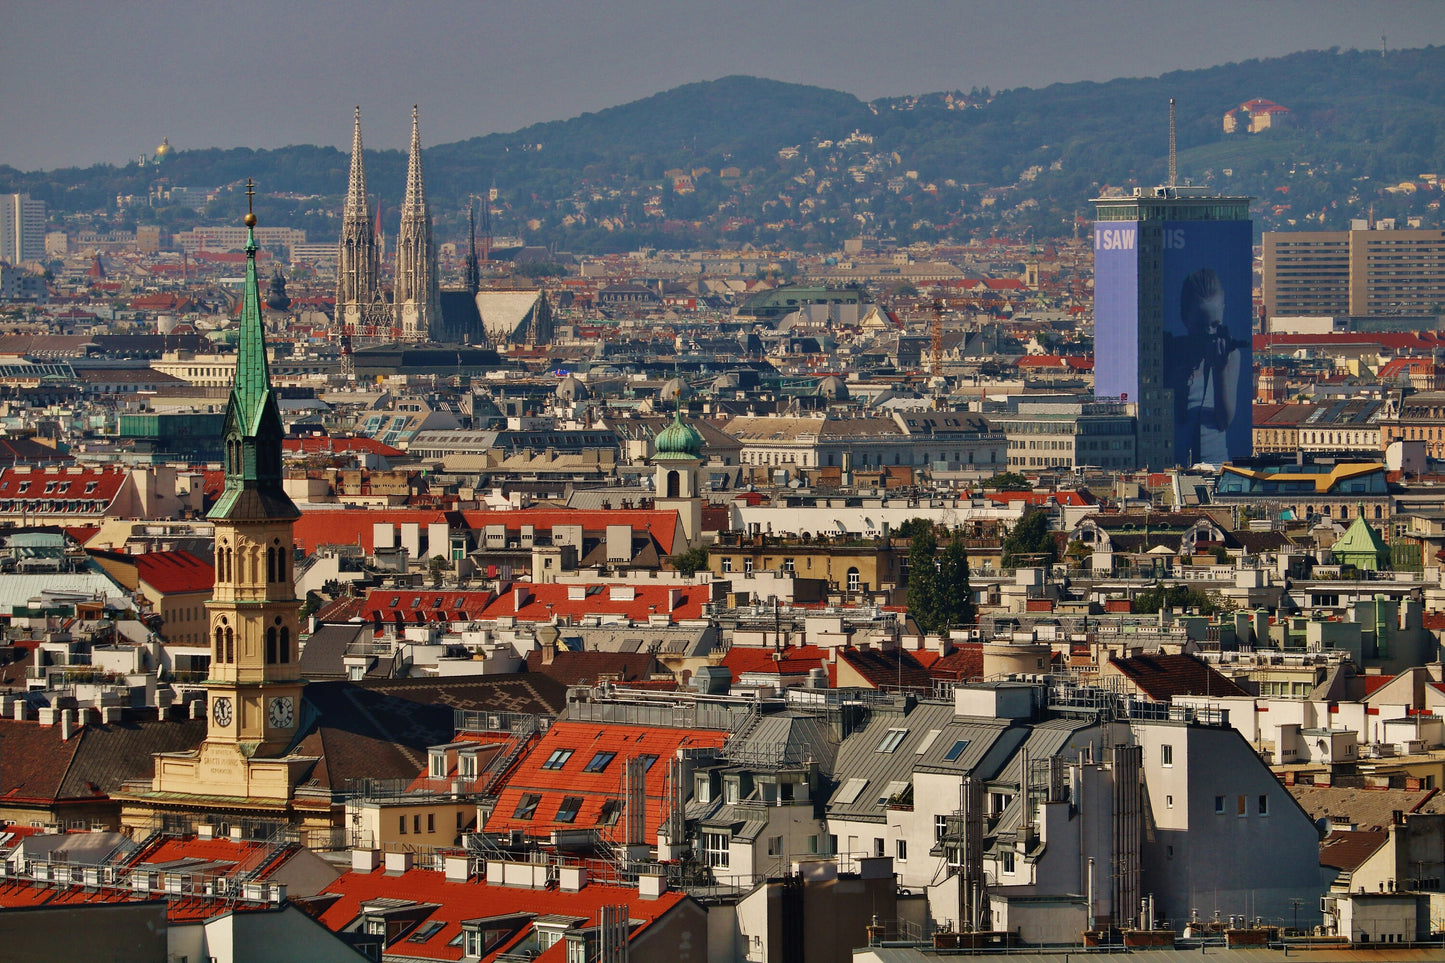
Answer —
742 159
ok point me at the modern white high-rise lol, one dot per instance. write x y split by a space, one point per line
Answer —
22 228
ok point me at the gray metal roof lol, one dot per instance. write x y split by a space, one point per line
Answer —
786 739
863 754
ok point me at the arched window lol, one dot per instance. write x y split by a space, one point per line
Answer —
230 645
271 564
271 657
285 643
853 580
220 650
674 484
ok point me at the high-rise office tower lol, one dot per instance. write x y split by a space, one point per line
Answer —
1173 319
418 301
22 228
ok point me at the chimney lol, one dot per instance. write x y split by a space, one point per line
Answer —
48 715
67 723
21 710
109 715
571 879
198 709
365 860
458 868
549 651
397 863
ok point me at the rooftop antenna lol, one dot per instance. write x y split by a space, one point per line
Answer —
1173 157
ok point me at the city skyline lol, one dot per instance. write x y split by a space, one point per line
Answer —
185 74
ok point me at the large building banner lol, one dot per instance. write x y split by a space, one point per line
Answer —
1116 309
1208 329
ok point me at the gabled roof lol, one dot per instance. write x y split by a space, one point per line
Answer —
173 572
866 767
549 774
531 602
588 667
38 767
963 663
1368 809
1347 849
452 903
794 660
96 486
1162 677
887 668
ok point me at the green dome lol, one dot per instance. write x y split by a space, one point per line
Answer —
678 441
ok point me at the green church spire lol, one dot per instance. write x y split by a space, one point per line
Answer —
252 389
253 430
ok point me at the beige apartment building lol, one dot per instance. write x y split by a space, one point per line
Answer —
1357 272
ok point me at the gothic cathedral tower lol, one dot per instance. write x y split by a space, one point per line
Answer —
247 765
357 259
418 298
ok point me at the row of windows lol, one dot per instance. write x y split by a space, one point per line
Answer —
598 763
568 810
278 563
278 643
431 823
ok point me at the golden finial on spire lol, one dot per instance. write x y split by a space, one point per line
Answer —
250 202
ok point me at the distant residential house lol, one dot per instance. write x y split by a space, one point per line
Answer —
1256 115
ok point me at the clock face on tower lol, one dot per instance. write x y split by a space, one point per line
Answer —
221 711
281 713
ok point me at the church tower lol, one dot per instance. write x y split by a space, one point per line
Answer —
676 465
418 298
246 766
255 672
357 259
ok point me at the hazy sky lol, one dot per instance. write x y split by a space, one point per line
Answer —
84 82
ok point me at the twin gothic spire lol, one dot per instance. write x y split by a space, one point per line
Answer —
415 311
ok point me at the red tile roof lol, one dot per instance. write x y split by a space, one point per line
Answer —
328 444
794 660
1069 498
887 668
94 488
963 663
586 740
1161 677
456 902
172 572
538 603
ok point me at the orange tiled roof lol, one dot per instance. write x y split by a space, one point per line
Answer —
456 902
569 776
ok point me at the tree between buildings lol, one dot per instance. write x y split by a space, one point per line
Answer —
939 596
1030 542
690 562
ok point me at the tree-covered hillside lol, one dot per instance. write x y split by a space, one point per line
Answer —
748 160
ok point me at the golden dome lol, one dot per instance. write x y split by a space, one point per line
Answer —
164 148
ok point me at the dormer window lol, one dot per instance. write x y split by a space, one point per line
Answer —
438 764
